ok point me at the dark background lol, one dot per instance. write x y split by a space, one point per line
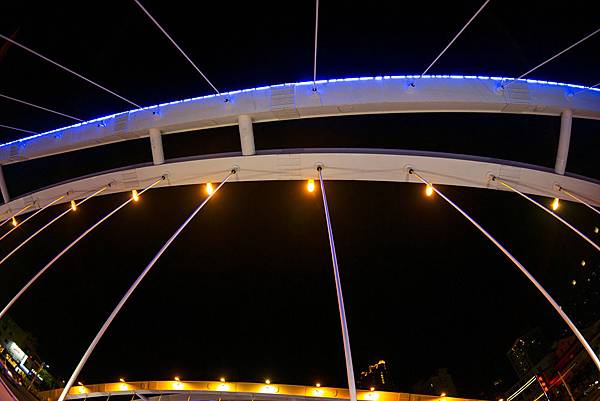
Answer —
247 290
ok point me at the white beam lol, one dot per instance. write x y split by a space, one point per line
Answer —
348 165
3 187
158 156
246 135
371 95
566 119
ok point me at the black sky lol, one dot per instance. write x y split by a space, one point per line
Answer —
247 290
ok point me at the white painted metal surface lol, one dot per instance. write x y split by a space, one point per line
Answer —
358 165
3 187
370 95
564 140
246 135
156 146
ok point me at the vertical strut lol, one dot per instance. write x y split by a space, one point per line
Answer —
340 296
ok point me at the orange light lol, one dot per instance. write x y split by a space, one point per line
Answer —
268 381
372 389
443 395
80 383
176 378
122 380
135 195
555 204
73 205
209 188
310 186
318 384
14 222
428 190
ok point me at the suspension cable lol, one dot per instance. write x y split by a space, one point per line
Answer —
14 99
553 57
556 216
588 88
131 289
14 42
32 236
541 289
30 217
176 45
17 129
455 37
71 245
16 214
340 296
316 37
572 195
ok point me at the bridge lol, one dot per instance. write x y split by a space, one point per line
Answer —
294 101
176 390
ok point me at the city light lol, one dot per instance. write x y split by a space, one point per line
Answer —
574 282
14 221
209 188
310 186
555 204
428 190
135 195
73 205
583 263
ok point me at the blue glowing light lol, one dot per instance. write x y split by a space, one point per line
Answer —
101 121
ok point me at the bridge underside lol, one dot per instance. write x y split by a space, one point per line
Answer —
224 391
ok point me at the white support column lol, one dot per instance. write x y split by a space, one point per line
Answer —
3 187
566 118
158 156
246 135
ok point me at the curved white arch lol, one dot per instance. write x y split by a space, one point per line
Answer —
349 164
336 97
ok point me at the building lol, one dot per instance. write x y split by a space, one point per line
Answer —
18 354
565 372
376 376
439 383
527 351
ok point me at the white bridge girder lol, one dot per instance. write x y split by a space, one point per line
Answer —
351 96
357 165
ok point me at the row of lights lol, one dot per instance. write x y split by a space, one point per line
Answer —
310 187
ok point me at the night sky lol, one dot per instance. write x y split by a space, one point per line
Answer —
247 290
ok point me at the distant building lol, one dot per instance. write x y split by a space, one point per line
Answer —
440 383
527 351
376 376
566 371
18 353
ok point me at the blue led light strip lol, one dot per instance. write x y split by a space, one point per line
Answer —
261 88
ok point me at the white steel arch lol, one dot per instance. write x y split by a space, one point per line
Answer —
336 97
349 164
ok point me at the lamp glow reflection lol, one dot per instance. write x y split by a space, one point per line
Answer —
209 188
428 190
